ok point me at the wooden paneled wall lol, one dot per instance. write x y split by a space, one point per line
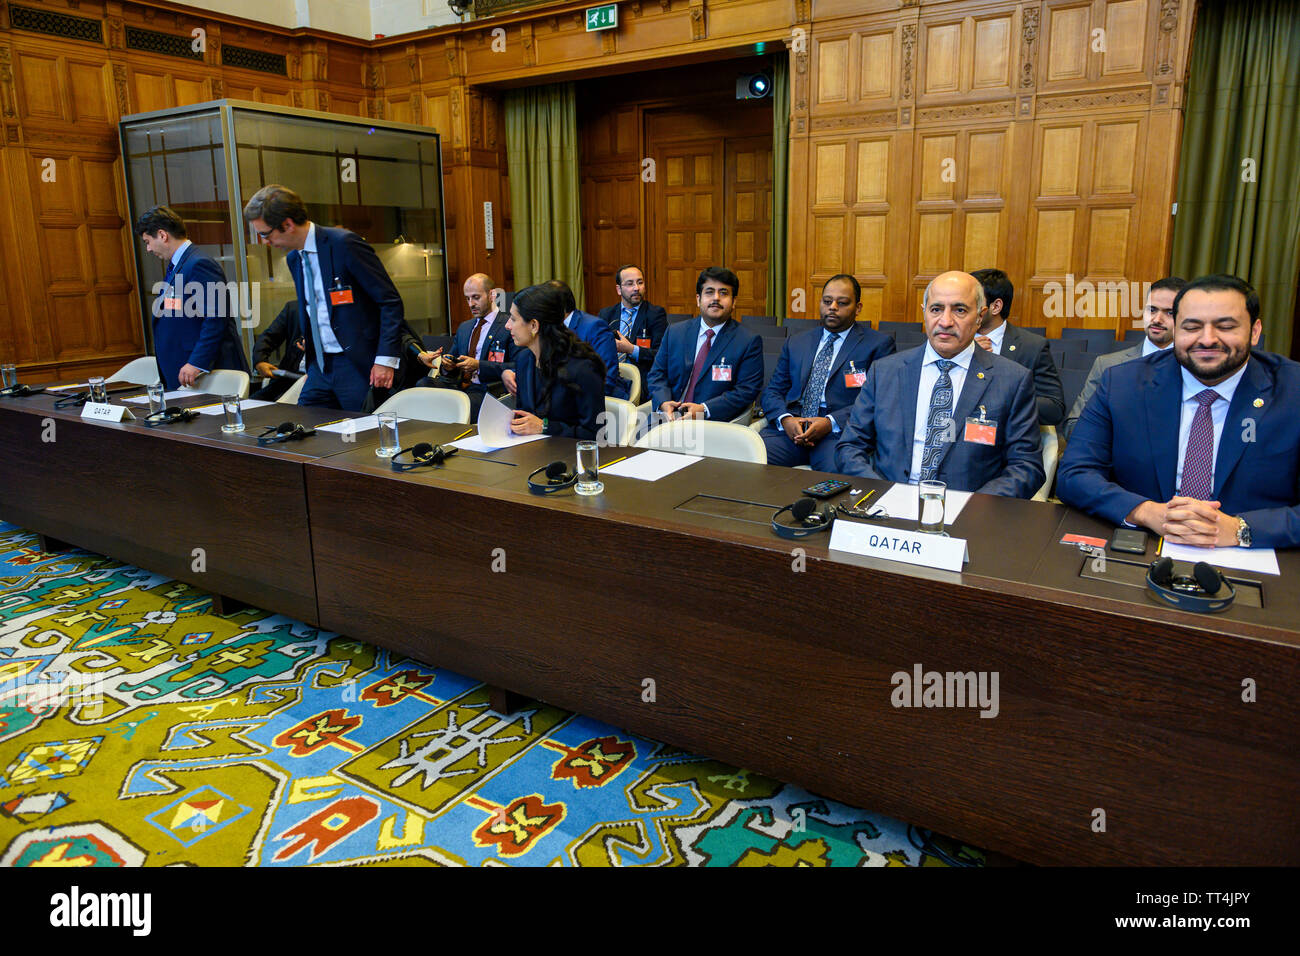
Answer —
924 136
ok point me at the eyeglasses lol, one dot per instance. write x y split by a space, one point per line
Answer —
264 235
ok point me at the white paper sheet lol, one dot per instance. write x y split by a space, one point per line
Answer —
901 501
476 443
244 405
650 465
168 396
1260 560
494 426
354 425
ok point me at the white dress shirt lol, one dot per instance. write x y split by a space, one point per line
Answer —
700 339
180 251
626 316
996 337
328 340
1218 414
487 321
839 338
1150 348
930 376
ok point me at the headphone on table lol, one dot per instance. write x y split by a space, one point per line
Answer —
1199 591
423 455
170 416
77 400
285 431
20 391
558 477
810 520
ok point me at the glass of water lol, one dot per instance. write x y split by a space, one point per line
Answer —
234 416
588 469
157 397
8 376
932 495
98 391
388 440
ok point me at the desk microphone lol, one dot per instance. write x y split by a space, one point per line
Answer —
170 416
558 477
285 431
809 520
20 391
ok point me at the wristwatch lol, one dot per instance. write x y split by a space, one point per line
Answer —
1243 533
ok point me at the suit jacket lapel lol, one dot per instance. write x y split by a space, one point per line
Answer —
850 342
978 378
909 384
720 340
1255 384
1163 399
325 260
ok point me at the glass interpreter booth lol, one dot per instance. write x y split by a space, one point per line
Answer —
381 180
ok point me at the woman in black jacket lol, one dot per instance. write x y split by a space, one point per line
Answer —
561 379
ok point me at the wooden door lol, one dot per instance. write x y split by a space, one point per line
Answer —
748 220
686 229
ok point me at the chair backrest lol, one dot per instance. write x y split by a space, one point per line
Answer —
1051 455
1099 340
712 439
290 397
756 322
224 381
769 365
632 373
1072 382
1038 329
675 317
1081 360
1068 345
429 405
434 342
795 326
620 421
141 371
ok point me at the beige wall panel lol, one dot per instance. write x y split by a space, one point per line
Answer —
942 58
1059 175
992 67
437 115
934 243
1108 242
828 245
938 156
1115 158
877 73
830 172
981 246
985 155
869 246
833 71
1068 43
1125 36
873 170
63 262
38 78
1054 245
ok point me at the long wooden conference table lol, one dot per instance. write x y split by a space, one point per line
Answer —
1125 731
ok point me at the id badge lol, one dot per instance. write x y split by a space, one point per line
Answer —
981 432
172 304
341 296
854 379
643 343
722 373
498 356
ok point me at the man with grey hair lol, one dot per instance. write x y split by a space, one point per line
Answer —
946 410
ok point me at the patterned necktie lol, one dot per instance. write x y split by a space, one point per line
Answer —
1198 464
313 322
938 425
821 370
625 326
700 358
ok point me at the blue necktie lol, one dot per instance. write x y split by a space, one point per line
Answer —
625 326
939 428
309 290
821 370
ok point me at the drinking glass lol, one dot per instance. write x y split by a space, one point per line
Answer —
157 397
234 416
388 440
588 469
8 376
98 391
931 506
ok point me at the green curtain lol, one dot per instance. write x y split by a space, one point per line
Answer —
1238 190
777 303
542 161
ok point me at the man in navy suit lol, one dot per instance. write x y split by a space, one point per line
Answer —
482 350
351 311
1201 442
596 334
948 410
637 325
712 368
194 329
997 334
817 379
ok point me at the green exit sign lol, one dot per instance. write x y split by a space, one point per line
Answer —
602 18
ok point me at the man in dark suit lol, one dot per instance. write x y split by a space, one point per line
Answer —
711 368
637 325
1200 443
351 312
817 380
282 333
996 334
194 327
482 350
948 410
1158 318
596 334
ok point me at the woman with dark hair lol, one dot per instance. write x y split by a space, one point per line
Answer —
561 379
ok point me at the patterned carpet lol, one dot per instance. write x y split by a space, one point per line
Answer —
139 729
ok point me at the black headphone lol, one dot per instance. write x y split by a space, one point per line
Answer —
1199 591
285 431
20 391
169 416
558 477
77 400
422 456
810 520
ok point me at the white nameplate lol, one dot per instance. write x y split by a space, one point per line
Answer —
912 547
106 413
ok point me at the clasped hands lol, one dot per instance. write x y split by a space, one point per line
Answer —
1187 521
806 432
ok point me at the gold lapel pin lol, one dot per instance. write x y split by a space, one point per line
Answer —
979 374
1259 403
1011 348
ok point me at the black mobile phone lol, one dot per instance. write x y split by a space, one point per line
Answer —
1129 540
826 489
